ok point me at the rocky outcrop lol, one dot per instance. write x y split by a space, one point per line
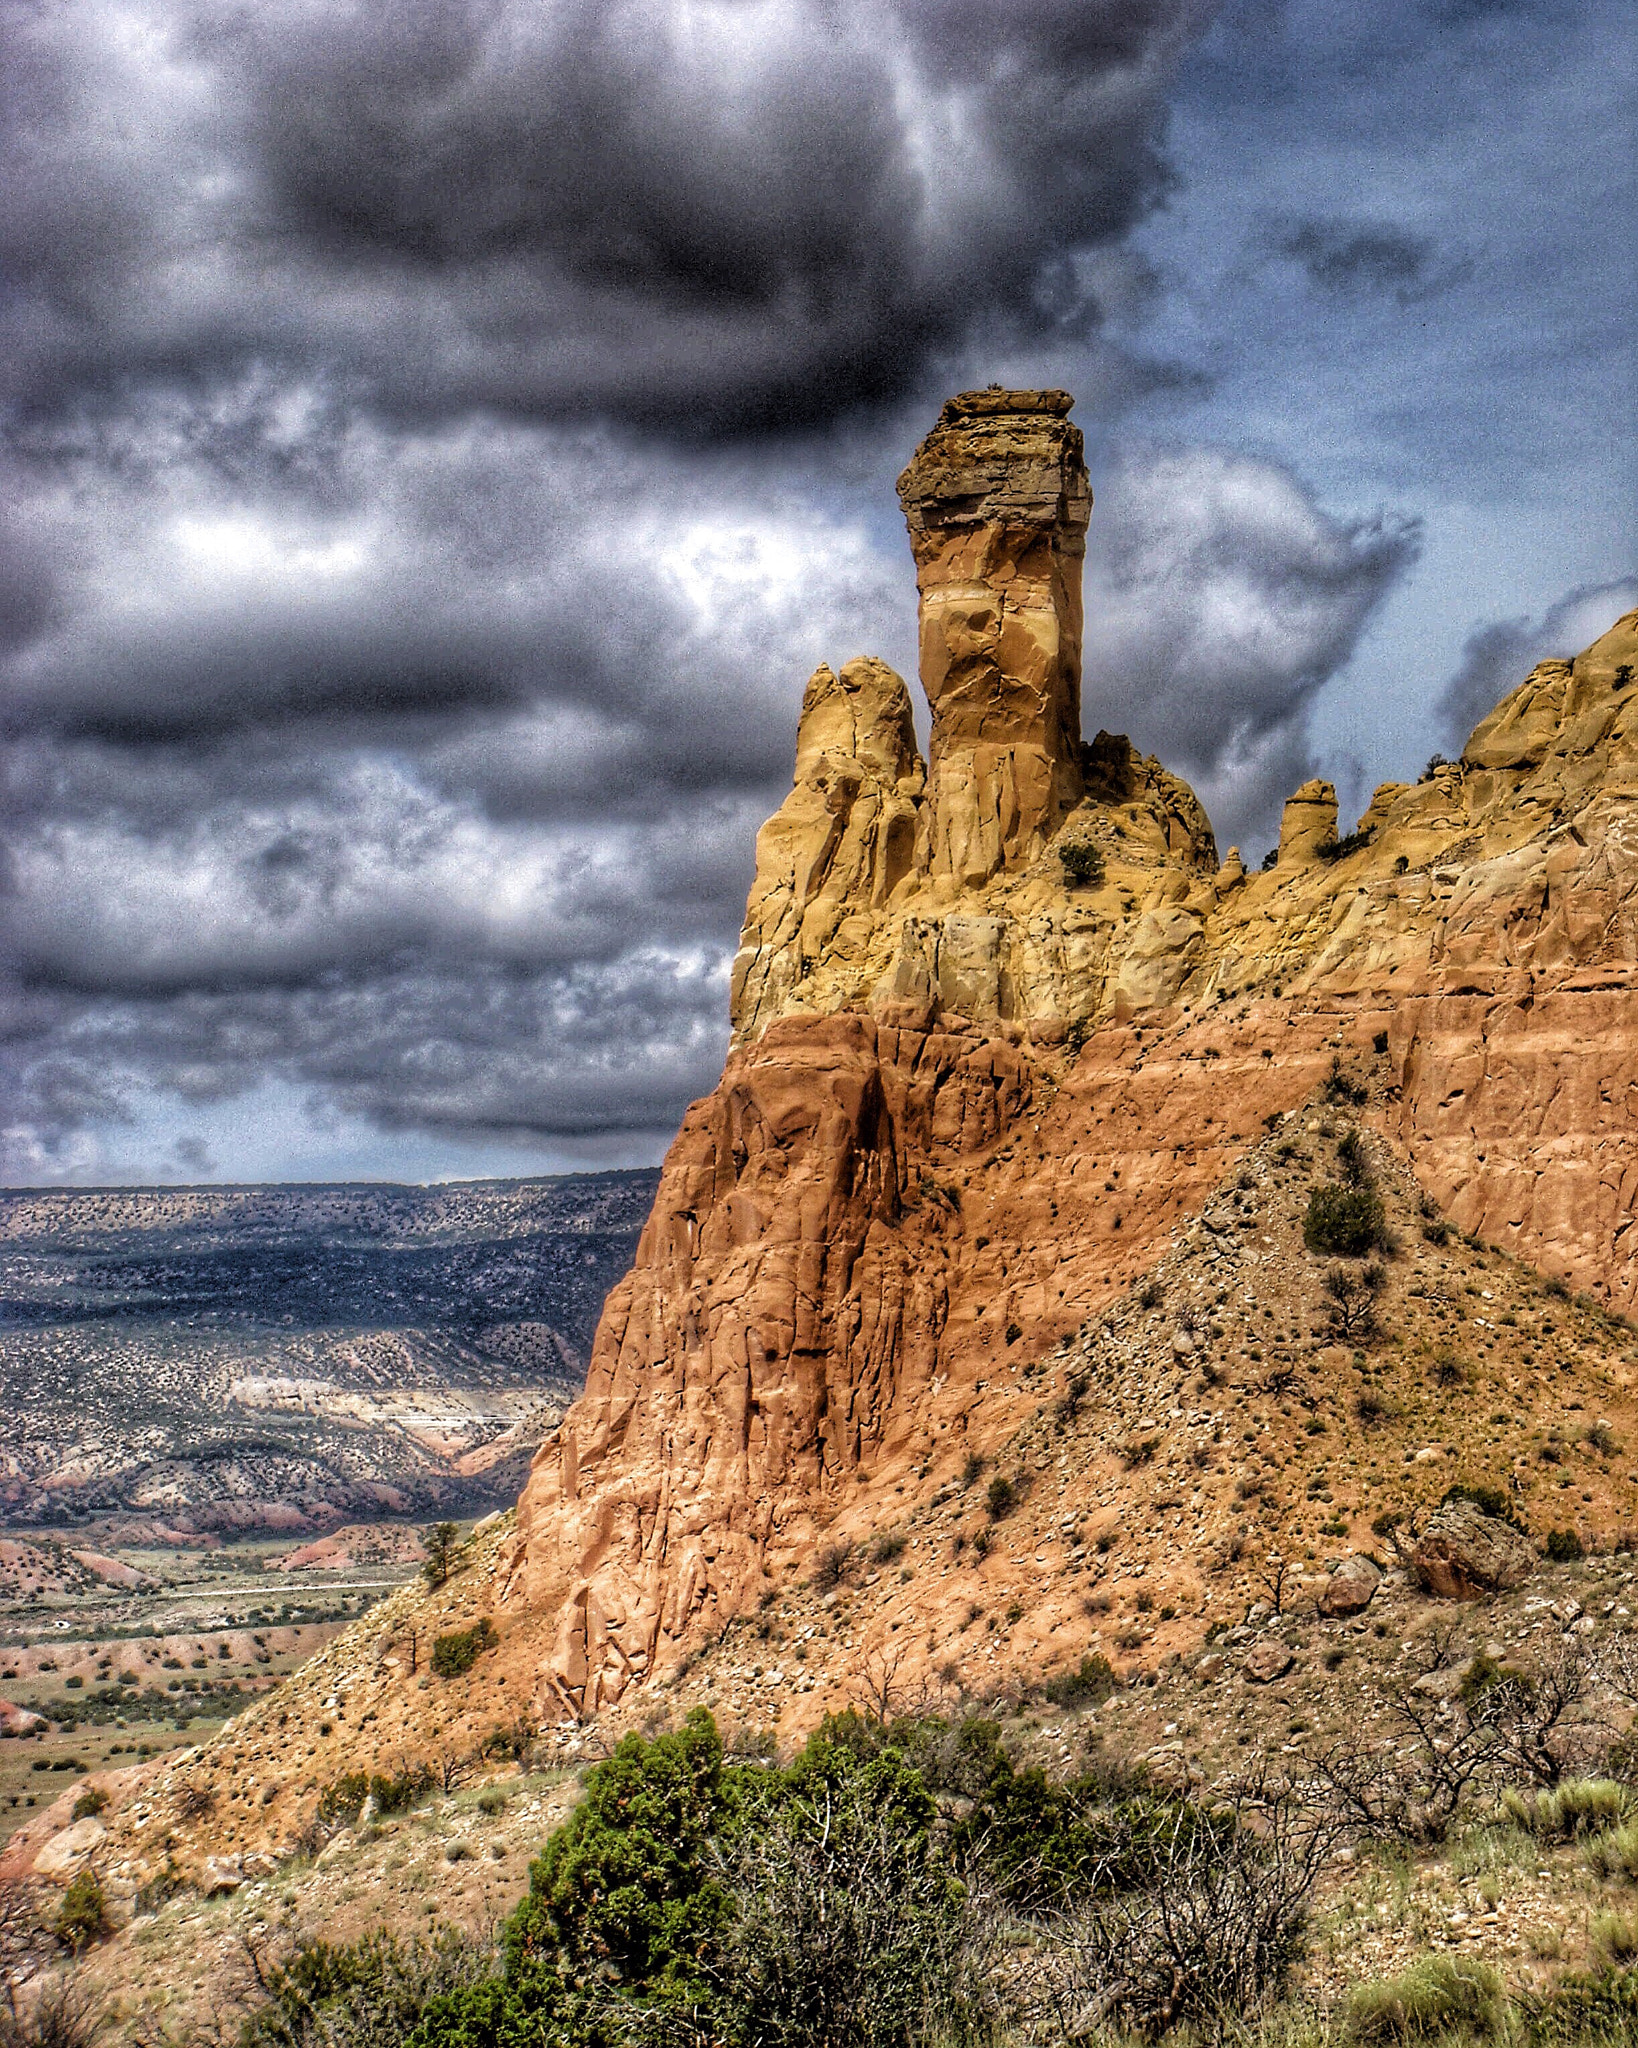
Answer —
1463 1553
1001 1022
1308 822
857 1239
842 845
997 501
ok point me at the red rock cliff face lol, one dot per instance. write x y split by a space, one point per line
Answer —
865 1216
970 1098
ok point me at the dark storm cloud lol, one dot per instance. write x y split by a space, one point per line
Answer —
701 218
1497 657
1350 258
586 1053
246 843
619 625
440 440
1219 600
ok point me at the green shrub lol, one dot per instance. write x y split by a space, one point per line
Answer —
1615 1937
1482 1673
690 1897
83 1916
343 1798
91 1801
1347 1222
1082 863
628 1884
1563 1546
1340 849
728 1902
369 1991
455 1654
1437 1996
1001 1497
831 1565
1579 1806
1587 2009
1341 1086
1092 1681
1615 1855
847 1924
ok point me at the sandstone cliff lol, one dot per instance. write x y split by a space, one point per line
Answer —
1001 1022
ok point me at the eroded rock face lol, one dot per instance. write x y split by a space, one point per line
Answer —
843 842
856 1241
997 502
1308 822
974 1087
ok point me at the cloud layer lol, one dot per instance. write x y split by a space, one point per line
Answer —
1219 600
439 437
695 214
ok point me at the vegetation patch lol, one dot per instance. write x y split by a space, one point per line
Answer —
453 1655
1345 1222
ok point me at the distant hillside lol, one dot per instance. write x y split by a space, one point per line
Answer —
289 1356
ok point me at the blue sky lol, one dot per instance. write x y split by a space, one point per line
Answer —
439 440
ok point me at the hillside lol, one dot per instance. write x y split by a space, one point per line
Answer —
224 1359
1210 1440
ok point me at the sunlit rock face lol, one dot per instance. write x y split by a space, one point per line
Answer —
1001 1020
996 499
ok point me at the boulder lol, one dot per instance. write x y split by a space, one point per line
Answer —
1267 1660
15 1720
1351 1587
220 1874
66 1853
1464 1553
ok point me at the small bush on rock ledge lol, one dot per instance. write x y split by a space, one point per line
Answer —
1082 864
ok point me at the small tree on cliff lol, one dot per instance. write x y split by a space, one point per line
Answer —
443 1542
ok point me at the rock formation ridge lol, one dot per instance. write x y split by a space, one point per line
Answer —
1000 1023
